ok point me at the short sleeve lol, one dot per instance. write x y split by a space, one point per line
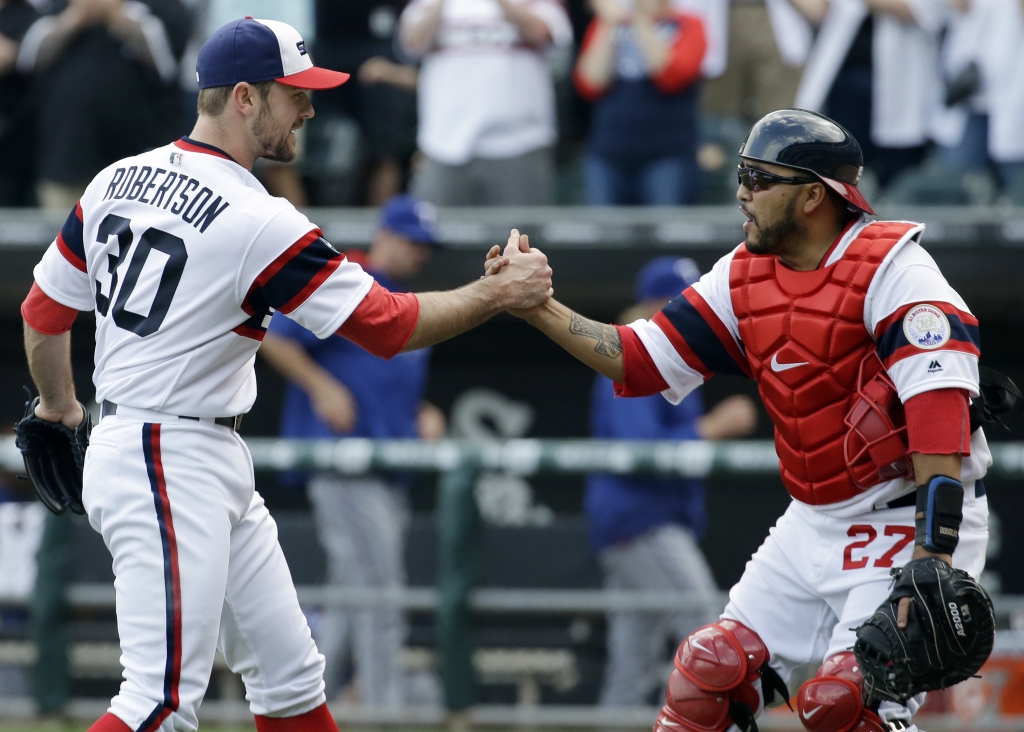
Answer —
924 332
287 328
62 273
292 269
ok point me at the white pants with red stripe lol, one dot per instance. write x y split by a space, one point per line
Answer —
198 567
817 577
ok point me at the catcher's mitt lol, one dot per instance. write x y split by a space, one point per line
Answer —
949 634
54 457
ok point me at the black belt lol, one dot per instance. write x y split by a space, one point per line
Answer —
911 498
232 423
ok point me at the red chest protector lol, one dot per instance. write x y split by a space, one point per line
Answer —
805 339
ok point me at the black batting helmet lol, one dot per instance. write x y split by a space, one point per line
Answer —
813 143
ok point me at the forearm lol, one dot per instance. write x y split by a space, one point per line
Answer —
444 315
292 361
49 363
532 29
420 36
899 9
595 64
598 345
653 47
813 11
927 466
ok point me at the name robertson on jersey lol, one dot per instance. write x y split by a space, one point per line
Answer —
182 195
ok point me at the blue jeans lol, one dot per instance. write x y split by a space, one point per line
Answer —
972 153
665 182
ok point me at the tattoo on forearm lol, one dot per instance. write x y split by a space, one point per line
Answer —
609 343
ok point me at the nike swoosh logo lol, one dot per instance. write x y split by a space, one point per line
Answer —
811 712
779 367
703 648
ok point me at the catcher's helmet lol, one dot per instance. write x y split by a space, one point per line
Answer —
813 143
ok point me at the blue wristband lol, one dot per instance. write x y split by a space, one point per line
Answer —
940 504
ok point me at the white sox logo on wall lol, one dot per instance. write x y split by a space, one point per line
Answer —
926 327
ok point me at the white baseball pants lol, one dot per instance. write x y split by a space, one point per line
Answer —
665 558
361 523
817 577
197 567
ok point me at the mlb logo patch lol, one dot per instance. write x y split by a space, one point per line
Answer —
176 158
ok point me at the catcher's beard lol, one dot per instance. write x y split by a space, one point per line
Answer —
275 146
772 234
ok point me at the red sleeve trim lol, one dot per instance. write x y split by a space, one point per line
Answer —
682 347
588 91
640 376
69 255
383 322
686 56
44 314
938 423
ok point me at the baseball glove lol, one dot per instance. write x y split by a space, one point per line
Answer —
949 634
54 457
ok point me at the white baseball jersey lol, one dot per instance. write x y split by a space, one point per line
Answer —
893 312
184 256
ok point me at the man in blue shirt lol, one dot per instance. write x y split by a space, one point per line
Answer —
335 388
645 530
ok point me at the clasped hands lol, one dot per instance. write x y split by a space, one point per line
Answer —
527 270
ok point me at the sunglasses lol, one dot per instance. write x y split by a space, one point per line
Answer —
754 179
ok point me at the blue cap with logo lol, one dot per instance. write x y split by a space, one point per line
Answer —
261 50
664 277
412 218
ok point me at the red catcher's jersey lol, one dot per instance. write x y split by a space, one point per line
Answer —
815 319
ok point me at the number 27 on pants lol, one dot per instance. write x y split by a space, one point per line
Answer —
905 536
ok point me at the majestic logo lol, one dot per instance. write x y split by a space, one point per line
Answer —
926 327
811 712
956 620
301 45
934 367
780 367
176 158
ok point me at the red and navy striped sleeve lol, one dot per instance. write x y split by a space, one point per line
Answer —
70 241
700 337
894 345
291 278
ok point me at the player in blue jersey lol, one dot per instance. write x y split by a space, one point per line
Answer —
645 530
336 388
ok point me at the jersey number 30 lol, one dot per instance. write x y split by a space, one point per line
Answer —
161 241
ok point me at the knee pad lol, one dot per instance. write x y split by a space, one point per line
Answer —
832 701
717 680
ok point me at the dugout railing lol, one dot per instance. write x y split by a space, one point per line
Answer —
459 532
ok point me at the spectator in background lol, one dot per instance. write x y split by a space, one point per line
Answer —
336 388
763 68
486 99
640 66
645 530
874 68
983 64
107 87
350 34
16 129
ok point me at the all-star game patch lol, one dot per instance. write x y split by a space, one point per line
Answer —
926 327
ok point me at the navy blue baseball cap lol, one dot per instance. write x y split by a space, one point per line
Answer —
261 50
412 218
665 277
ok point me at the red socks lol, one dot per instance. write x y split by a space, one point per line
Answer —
109 723
315 720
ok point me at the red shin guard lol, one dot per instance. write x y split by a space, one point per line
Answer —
315 720
713 680
831 701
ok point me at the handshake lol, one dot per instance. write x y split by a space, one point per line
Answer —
522 277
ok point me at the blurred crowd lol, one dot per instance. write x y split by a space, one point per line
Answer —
522 102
